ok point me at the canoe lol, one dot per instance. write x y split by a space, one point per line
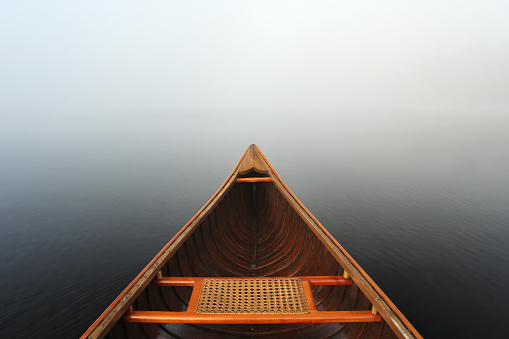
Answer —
252 262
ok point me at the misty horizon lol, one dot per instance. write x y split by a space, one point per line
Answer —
226 57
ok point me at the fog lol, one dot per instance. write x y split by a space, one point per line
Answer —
317 75
229 55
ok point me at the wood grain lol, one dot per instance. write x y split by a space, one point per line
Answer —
312 317
254 227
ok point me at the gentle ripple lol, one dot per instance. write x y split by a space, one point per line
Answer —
74 235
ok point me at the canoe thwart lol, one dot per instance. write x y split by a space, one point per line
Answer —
255 179
314 280
197 318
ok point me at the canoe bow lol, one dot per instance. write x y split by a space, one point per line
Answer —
254 169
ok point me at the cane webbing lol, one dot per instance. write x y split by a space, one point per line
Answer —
252 296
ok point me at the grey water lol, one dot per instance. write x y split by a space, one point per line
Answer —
421 204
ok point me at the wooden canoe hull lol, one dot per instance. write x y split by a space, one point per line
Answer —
253 227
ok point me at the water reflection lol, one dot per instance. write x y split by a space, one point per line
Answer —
426 217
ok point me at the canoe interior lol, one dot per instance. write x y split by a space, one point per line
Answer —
252 232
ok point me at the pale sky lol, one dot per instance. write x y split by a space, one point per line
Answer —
224 57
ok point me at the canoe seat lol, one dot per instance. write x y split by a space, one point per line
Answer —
264 300
252 296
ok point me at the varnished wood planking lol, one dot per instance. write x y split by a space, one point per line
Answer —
256 221
292 256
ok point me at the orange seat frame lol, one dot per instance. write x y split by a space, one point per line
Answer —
190 315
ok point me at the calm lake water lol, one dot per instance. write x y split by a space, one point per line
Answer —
423 207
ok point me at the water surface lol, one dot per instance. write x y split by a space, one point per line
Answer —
422 208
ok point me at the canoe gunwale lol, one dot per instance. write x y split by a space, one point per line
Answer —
389 312
121 304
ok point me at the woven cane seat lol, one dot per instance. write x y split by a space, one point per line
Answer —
252 296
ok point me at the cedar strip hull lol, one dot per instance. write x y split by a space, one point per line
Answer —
252 228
